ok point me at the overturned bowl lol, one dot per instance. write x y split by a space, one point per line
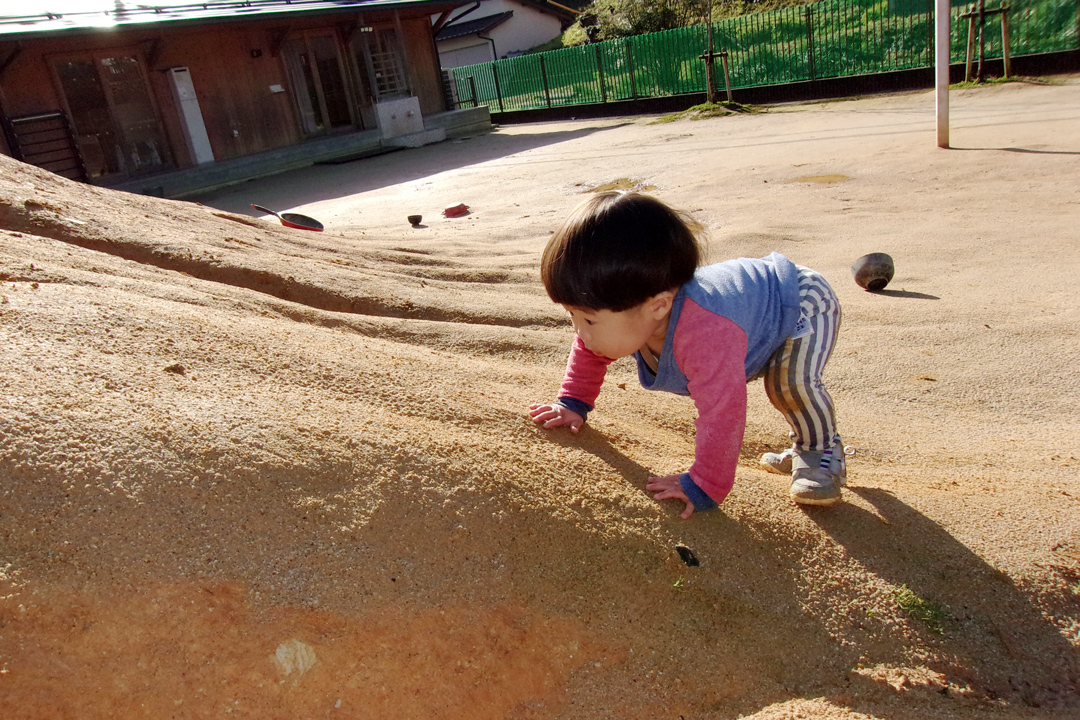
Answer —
414 220
873 272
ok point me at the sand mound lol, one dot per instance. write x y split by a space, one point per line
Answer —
271 473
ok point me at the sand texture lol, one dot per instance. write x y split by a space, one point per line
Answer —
256 472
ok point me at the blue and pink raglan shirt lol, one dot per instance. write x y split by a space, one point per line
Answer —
725 324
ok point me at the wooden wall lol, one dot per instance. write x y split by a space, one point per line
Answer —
241 114
423 65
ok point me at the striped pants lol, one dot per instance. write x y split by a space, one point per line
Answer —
793 374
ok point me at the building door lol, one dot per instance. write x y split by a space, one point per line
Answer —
389 69
380 68
112 111
317 76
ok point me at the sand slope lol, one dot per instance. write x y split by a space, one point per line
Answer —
274 474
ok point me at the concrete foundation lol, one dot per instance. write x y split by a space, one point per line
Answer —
350 146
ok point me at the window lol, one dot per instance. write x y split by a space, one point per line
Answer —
387 64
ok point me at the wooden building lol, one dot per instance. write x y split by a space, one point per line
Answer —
135 92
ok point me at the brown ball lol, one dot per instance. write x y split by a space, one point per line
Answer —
873 272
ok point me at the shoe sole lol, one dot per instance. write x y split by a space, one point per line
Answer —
777 469
822 502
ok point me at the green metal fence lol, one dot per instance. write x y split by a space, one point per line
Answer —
833 38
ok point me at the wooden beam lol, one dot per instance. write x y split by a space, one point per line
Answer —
10 58
277 37
404 47
153 53
438 24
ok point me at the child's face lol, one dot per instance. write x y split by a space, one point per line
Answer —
620 334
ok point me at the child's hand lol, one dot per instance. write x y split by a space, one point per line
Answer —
552 416
668 487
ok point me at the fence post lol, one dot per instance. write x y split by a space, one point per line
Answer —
810 44
543 74
600 71
472 86
630 65
710 83
498 92
932 41
727 74
1005 39
970 41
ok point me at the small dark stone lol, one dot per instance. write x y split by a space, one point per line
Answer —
687 555
176 369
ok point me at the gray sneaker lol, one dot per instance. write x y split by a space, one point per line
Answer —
779 463
812 484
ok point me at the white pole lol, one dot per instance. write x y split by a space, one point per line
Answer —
941 64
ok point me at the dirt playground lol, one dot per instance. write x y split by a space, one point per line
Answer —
249 471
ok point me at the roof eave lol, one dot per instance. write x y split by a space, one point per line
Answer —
428 6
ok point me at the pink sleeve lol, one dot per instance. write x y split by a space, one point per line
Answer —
585 372
711 351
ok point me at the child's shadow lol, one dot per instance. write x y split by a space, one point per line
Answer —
595 443
1000 641
995 639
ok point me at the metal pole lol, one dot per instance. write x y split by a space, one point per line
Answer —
498 90
543 74
633 72
970 49
600 74
727 75
710 84
941 63
810 44
982 45
1005 39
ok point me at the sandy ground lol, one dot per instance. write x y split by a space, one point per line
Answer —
268 473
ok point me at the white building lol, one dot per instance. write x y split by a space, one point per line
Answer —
491 30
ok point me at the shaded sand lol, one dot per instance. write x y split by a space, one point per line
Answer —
267 473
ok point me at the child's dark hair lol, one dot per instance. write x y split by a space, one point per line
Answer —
616 250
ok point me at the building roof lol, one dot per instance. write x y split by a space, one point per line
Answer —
51 17
472 27
563 9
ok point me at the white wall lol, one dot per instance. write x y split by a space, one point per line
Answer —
527 29
464 54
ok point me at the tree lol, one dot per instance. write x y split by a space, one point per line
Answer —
609 19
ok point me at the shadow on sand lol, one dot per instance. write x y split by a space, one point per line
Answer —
318 183
1021 150
904 294
994 639
1033 662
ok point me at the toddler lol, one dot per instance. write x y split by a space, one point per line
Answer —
625 267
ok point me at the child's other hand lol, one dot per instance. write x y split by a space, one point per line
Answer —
668 487
552 416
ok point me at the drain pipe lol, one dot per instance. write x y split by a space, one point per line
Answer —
494 54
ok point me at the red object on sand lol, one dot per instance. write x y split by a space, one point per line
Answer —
293 220
456 210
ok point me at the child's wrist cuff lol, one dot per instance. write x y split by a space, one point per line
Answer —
581 407
696 495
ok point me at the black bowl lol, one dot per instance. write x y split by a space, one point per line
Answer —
873 272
